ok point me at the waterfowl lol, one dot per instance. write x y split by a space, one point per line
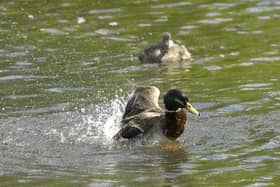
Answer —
143 114
165 50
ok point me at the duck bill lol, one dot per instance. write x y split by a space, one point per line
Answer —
191 109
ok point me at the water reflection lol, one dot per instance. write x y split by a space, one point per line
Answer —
158 167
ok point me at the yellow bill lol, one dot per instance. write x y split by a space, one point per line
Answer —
192 109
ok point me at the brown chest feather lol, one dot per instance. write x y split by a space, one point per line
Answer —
174 123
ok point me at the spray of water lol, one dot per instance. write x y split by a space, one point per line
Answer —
99 123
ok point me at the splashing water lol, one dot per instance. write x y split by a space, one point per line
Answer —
100 123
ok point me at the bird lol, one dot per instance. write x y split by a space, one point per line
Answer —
143 115
165 51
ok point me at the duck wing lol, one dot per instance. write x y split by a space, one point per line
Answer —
154 53
144 99
140 124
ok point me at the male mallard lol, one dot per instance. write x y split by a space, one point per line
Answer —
143 114
165 50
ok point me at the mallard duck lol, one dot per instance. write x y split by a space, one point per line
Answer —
143 114
165 50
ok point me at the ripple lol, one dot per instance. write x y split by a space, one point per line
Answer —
213 14
224 5
63 21
231 29
2 51
259 184
155 13
105 17
23 77
3 30
262 9
52 108
4 70
236 53
243 32
161 19
119 39
220 6
113 23
144 24
233 108
103 11
107 31
17 54
204 59
81 20
172 5
213 68
189 27
182 33
23 63
62 90
254 86
218 157
69 29
257 32
257 159
53 31
274 94
269 2
127 69
264 17
246 64
15 97
272 144
266 59
215 20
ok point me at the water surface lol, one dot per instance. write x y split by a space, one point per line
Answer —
68 67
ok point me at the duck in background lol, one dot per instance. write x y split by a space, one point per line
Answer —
165 50
143 115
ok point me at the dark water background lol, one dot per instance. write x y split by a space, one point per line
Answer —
67 67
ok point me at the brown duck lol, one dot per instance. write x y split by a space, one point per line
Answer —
143 115
165 50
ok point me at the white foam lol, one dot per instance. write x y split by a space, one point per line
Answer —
100 123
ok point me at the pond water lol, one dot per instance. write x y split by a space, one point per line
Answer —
68 67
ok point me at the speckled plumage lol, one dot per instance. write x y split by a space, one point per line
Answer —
165 50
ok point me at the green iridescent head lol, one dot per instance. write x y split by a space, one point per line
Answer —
175 99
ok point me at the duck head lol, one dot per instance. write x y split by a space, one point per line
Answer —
166 36
166 39
175 99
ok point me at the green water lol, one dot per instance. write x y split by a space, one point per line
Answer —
67 68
